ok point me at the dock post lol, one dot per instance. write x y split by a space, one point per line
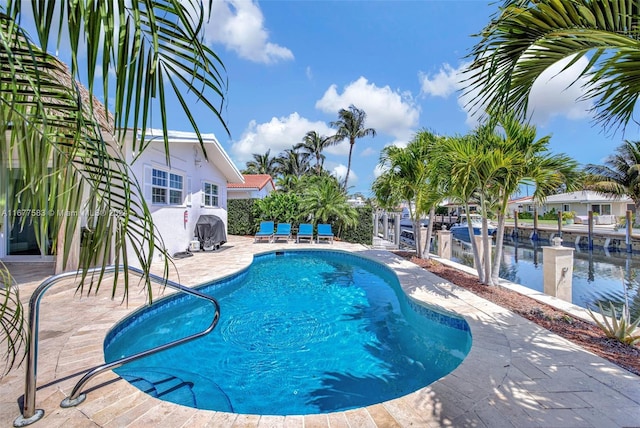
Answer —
396 230
376 226
385 226
557 270
590 230
444 244
560 223
629 227
535 224
515 224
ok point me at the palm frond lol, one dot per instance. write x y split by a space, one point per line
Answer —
528 37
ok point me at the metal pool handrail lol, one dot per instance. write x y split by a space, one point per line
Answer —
30 414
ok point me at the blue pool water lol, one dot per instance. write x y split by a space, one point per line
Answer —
301 332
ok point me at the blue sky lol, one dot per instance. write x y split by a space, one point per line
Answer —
293 64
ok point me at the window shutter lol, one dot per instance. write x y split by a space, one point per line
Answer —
148 182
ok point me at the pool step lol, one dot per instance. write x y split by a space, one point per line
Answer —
161 385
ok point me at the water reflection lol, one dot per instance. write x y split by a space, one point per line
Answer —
598 276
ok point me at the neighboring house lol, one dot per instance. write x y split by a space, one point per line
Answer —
255 186
356 202
607 208
191 186
523 204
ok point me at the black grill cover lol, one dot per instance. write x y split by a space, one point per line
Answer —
210 231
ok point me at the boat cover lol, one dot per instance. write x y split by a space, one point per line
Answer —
210 231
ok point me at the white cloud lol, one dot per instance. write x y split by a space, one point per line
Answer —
442 84
379 170
239 26
277 134
309 73
388 111
340 172
553 94
368 152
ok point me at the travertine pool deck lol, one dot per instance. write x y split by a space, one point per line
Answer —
516 375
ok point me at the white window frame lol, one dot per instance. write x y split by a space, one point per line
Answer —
166 184
211 195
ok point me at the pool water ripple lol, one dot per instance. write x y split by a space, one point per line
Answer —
302 333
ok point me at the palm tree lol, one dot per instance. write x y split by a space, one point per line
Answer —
406 179
467 167
292 162
262 164
51 124
313 144
620 174
526 37
324 201
529 162
351 125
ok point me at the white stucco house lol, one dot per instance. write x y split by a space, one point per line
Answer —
190 186
255 186
176 194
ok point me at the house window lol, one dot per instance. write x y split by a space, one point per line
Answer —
566 208
210 192
166 188
604 209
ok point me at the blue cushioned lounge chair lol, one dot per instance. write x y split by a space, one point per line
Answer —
265 232
324 232
305 231
283 231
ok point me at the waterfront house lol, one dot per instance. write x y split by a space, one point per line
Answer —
606 209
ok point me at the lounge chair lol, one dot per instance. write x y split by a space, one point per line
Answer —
305 231
265 232
324 232
283 231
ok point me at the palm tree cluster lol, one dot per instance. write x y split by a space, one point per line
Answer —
306 157
485 167
306 191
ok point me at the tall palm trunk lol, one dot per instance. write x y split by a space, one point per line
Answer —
495 272
352 142
427 245
474 246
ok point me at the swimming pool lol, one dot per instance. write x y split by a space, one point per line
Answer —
301 332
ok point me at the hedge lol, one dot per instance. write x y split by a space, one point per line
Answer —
240 220
363 232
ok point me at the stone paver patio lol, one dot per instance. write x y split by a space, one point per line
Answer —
516 375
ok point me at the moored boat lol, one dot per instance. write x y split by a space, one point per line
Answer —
460 230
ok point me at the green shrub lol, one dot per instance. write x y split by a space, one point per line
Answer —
362 233
621 329
526 215
551 215
442 210
278 207
240 220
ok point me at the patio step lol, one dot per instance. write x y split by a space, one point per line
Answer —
383 244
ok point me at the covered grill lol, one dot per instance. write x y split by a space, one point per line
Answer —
211 232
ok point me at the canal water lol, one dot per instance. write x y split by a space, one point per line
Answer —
599 276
